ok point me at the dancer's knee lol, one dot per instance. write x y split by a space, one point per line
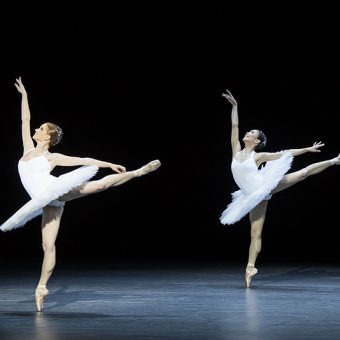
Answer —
101 185
303 174
48 247
93 187
255 235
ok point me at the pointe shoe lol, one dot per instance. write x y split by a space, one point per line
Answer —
336 160
250 272
40 293
152 166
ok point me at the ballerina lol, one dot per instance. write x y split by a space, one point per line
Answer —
49 193
257 185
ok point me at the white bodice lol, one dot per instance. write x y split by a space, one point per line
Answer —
35 174
246 174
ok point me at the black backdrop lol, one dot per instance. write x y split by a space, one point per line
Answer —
142 82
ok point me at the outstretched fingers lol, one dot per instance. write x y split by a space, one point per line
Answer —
336 160
19 85
229 97
316 146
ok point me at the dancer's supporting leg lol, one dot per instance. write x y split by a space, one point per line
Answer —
257 217
49 228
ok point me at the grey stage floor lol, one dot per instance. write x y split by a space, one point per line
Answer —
172 301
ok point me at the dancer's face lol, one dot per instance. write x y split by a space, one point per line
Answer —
41 133
252 137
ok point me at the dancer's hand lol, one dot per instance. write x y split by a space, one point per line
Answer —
315 147
230 97
118 168
20 86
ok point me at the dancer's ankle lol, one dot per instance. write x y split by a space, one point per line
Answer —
41 285
146 169
335 161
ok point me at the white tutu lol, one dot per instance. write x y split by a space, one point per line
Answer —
62 185
243 201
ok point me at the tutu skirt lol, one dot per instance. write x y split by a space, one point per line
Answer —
61 186
243 203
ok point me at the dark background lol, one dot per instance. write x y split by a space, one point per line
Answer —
141 82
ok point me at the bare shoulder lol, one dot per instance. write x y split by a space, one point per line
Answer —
261 157
51 156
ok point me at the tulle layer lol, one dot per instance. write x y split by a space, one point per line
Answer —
242 204
62 185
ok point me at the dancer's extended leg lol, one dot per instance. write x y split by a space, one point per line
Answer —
297 176
109 181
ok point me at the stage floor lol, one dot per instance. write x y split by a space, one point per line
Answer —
171 301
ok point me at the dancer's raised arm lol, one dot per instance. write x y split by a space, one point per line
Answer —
235 143
25 117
